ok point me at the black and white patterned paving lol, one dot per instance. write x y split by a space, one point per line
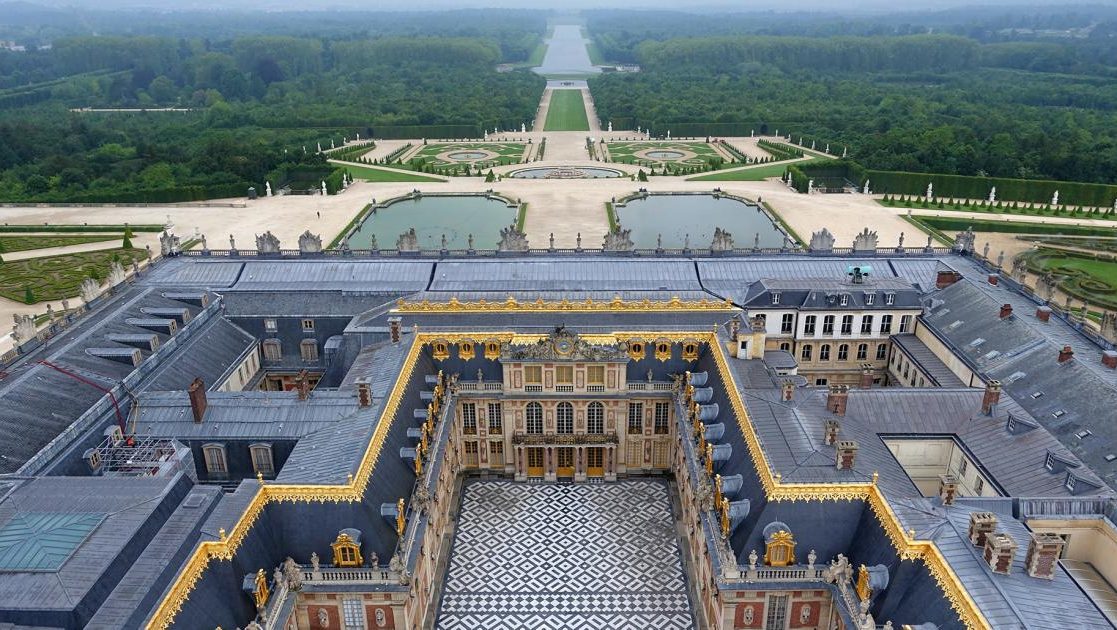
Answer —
565 556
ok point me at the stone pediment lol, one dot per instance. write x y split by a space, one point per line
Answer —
564 345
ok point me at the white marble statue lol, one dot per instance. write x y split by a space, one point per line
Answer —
610 126
865 190
267 187
993 194
323 187
319 147
930 191
1055 198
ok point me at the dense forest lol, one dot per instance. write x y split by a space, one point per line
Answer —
255 101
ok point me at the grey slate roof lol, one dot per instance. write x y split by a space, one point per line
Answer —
923 356
565 275
400 276
826 293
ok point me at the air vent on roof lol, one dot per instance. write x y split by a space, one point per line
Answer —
1015 376
1037 394
194 500
955 324
977 342
1059 413
992 354
1083 434
1110 457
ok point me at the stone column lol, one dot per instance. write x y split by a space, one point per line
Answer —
521 471
611 463
550 463
580 463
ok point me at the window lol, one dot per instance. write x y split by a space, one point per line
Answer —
862 351
308 348
662 415
635 418
845 300
533 374
595 418
354 613
308 325
534 418
847 324
595 374
564 374
828 325
821 381
469 418
262 460
870 298
785 346
565 416
808 325
905 323
1049 462
775 297
843 352
214 455
496 418
824 352
963 466
787 324
806 354
979 486
882 351
270 325
273 351
776 618
471 454
496 453
659 455
885 324
867 325
889 298
1071 482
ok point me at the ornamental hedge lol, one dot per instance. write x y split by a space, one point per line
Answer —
965 187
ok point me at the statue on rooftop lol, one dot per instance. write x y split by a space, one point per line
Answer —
723 241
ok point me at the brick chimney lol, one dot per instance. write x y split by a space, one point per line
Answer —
845 454
1109 359
787 391
198 402
946 278
981 525
1000 549
837 399
833 428
1043 313
948 489
734 327
994 278
1066 354
991 398
364 392
866 376
395 328
1006 310
302 385
1043 554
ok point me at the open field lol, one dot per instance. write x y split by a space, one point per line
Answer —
567 112
386 175
754 174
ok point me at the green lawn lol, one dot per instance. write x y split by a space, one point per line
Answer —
950 225
567 112
10 244
505 153
745 175
386 175
1078 275
57 277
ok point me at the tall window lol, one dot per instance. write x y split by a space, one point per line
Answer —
471 457
787 324
533 374
214 455
273 351
309 350
862 351
496 419
564 374
847 324
595 374
889 298
828 325
867 325
595 418
806 353
262 459
354 612
776 617
843 352
635 418
905 323
882 351
469 418
775 297
662 417
824 352
885 324
534 418
565 417
496 453
870 298
808 324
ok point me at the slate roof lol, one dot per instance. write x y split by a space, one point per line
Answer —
335 275
826 293
932 365
565 275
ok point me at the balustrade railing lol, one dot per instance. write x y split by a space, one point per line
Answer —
355 575
520 437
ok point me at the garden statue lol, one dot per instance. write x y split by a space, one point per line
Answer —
810 185
901 245
319 147
668 134
930 191
993 194
232 244
1055 198
985 251
267 187
323 187
865 189
332 144
579 241
551 240
845 151
1001 260
827 148
610 126
470 242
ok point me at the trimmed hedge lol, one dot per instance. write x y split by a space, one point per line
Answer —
966 187
164 195
406 132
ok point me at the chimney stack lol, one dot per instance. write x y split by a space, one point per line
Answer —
734 327
994 278
1000 550
946 278
846 454
833 428
1043 313
364 392
1066 354
198 402
866 376
1043 554
982 524
302 385
948 489
837 399
787 391
1006 310
1109 359
395 328
991 398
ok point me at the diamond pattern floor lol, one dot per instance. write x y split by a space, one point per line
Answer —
565 556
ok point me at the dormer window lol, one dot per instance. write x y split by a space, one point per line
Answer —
845 300
308 325
870 298
889 298
775 297
1070 483
1011 424
270 325
1049 462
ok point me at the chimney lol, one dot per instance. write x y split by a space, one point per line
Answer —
845 454
1006 310
948 489
981 525
833 427
1066 354
1043 313
734 327
1109 359
302 385
198 401
364 392
946 278
866 376
1043 554
991 398
1000 549
994 278
395 328
787 391
837 399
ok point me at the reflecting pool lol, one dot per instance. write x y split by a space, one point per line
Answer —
675 216
432 216
566 172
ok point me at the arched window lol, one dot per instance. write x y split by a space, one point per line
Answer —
785 346
806 354
690 351
882 352
595 418
466 351
534 418
565 416
843 352
214 455
824 352
309 350
262 461
862 351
